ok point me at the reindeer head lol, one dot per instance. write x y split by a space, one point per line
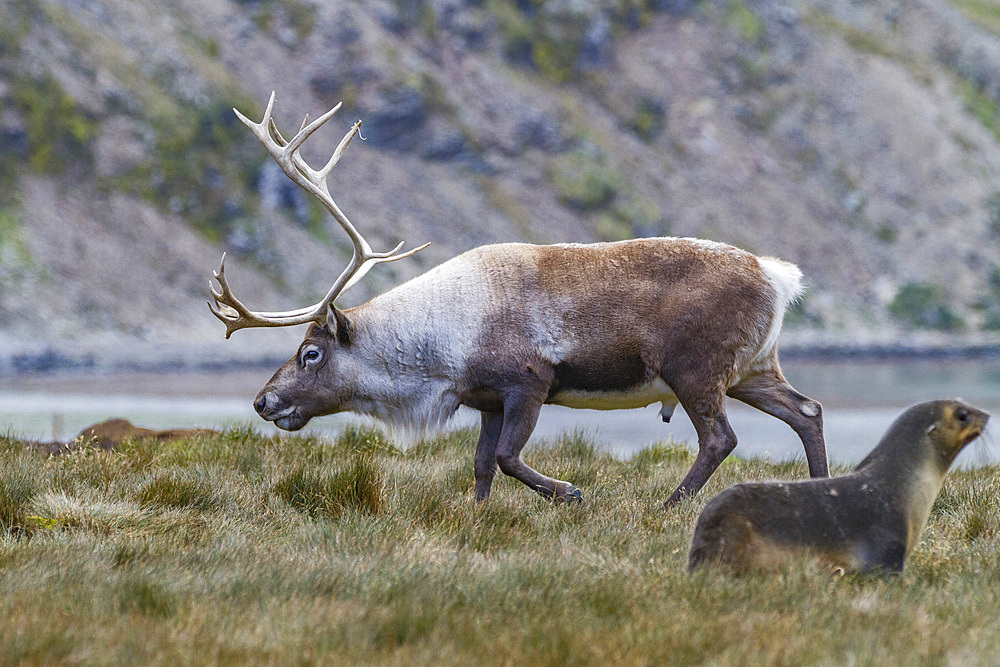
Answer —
298 390
320 379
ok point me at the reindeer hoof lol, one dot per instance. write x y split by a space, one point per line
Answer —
571 495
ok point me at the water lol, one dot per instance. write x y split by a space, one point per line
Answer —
860 401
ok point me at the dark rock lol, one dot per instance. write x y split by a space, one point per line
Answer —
528 7
348 31
391 21
448 146
396 124
232 206
329 82
213 178
362 74
403 16
249 238
277 192
673 7
13 133
14 141
595 52
649 117
540 130
786 16
519 52
341 75
632 19
473 27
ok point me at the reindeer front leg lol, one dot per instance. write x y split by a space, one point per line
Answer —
520 413
486 453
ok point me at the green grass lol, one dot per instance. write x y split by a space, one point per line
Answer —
924 305
984 12
243 548
583 180
750 26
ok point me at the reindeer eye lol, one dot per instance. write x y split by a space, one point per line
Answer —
311 356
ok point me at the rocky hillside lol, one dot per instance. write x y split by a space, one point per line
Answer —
859 140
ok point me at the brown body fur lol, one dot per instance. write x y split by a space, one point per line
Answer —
507 328
643 313
867 520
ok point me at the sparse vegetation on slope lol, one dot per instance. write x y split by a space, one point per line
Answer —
243 548
859 140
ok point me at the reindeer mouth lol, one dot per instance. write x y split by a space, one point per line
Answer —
289 419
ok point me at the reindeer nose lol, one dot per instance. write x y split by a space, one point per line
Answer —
260 405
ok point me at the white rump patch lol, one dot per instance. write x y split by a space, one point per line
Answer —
786 281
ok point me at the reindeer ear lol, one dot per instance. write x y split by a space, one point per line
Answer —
339 325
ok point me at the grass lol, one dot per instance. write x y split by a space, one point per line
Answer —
984 12
860 40
925 306
583 180
244 548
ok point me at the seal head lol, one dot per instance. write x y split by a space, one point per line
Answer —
943 427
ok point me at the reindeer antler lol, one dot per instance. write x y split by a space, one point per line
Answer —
226 306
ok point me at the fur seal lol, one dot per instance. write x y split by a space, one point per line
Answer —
113 432
868 520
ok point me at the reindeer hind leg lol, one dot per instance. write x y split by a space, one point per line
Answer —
769 392
716 440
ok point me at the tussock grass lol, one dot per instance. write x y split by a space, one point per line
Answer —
18 486
358 486
244 548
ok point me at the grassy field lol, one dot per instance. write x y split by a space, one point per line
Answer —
246 549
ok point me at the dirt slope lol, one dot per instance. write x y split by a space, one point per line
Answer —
859 141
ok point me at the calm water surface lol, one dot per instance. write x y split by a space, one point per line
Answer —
860 401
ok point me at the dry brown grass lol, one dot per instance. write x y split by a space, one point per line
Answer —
241 548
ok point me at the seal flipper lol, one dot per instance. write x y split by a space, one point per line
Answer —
888 558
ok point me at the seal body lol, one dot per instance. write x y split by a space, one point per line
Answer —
868 520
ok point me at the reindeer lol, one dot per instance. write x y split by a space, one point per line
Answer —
507 328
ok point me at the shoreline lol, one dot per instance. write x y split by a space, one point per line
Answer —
21 359
890 352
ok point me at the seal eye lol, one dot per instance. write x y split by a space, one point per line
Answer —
962 416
